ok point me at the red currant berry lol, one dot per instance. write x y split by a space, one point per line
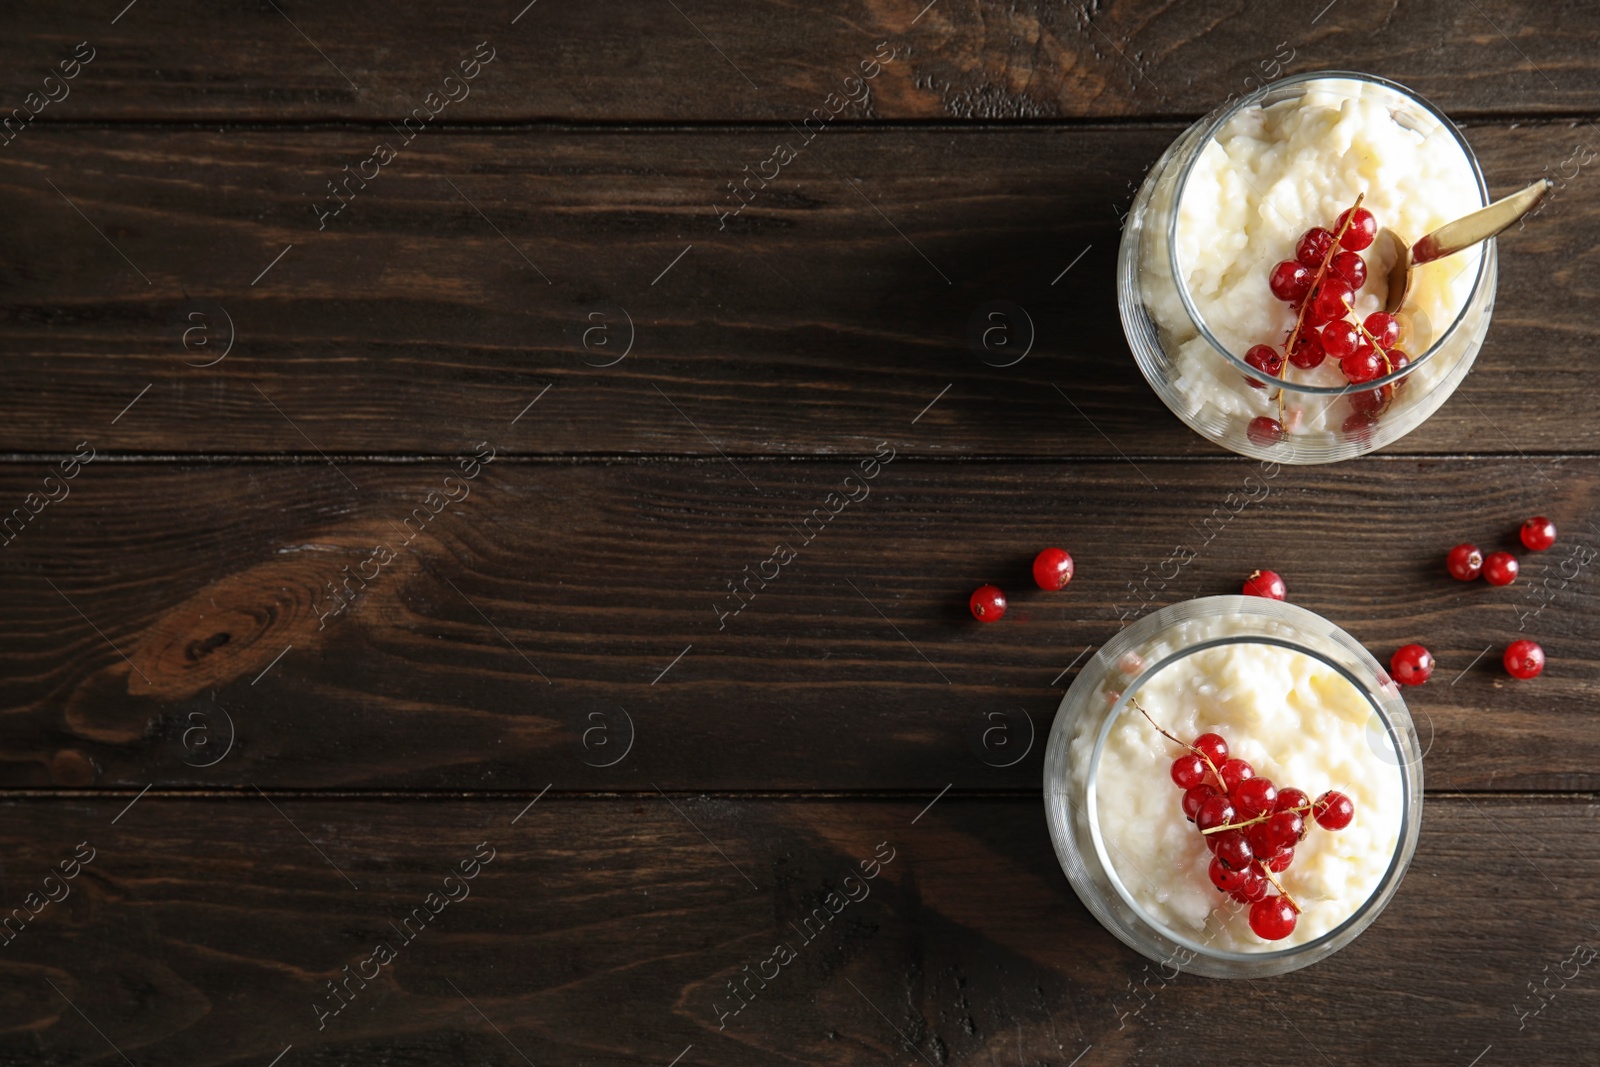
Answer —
1313 245
1524 659
1363 228
1314 317
1255 796
1538 533
1052 569
1266 359
1292 799
1283 830
1214 747
1359 425
1216 811
1500 568
1410 665
1254 889
1193 798
1308 350
1384 328
1265 430
1265 583
1361 367
1340 339
1334 810
1262 840
1233 772
1272 919
1234 850
1281 861
988 603
1227 879
1464 562
1371 402
1290 281
1351 267
1188 771
1331 301
1398 360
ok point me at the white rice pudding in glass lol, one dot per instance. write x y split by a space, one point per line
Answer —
1296 721
1268 176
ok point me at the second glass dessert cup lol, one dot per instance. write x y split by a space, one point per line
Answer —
1170 335
1100 697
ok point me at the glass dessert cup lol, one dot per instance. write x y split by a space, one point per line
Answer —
1083 829
1187 342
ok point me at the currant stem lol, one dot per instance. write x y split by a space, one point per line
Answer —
1263 817
1322 273
1388 366
1189 748
1282 892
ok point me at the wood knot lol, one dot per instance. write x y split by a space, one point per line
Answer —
234 627
197 649
70 767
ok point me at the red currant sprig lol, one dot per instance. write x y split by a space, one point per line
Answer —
1250 826
1321 282
1315 294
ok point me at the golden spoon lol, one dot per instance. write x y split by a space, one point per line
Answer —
1452 237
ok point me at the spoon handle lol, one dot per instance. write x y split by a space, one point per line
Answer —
1481 225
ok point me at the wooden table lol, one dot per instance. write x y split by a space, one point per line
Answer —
424 398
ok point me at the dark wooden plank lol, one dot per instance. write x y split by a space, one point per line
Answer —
723 59
557 603
204 932
808 325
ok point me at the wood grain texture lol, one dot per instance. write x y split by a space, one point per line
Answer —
831 313
149 617
204 932
609 60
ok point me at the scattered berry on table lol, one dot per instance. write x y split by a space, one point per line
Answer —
1538 533
1411 665
1265 583
1500 568
1465 562
1052 569
988 603
1524 659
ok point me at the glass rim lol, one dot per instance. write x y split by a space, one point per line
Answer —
1252 99
1397 859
